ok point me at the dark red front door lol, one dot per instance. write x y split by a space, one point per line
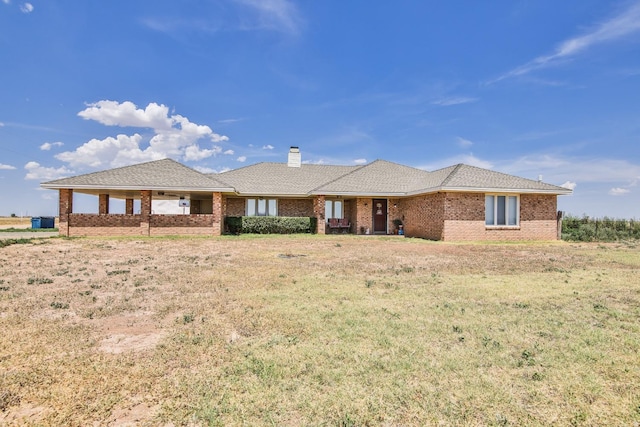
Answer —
380 216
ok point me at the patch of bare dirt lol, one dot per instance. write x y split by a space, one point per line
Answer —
129 332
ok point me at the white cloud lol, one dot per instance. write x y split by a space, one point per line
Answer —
464 143
36 171
26 8
113 113
175 136
228 152
617 191
272 15
267 147
360 161
6 1
242 159
193 152
570 185
446 102
47 145
6 167
618 27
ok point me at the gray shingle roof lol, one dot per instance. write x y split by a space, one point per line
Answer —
166 174
471 177
378 177
280 179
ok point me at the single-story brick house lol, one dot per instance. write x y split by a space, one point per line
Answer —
459 202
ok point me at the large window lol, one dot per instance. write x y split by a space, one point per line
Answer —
262 207
333 209
502 210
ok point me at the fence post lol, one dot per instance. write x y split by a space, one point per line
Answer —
559 225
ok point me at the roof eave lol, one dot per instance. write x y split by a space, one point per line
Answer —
358 193
137 187
558 191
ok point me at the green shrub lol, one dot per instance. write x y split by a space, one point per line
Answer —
605 229
270 225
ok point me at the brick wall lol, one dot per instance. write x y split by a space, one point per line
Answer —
133 225
217 216
538 207
65 207
362 216
235 206
103 204
318 212
181 221
423 216
465 220
295 207
461 216
111 220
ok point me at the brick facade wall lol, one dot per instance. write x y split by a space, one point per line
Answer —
111 220
295 207
423 216
235 206
441 216
181 221
318 212
65 207
461 216
363 217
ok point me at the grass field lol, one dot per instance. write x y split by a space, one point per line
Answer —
318 330
14 222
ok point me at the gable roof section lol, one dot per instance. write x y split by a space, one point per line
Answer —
376 178
278 179
166 174
471 178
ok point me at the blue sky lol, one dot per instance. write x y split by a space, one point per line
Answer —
523 87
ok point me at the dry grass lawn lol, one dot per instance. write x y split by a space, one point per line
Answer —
15 222
318 330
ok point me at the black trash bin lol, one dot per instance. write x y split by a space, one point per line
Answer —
47 221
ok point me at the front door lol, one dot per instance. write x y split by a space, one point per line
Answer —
380 216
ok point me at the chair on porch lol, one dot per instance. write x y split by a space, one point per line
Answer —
334 225
344 225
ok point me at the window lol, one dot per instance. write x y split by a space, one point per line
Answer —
502 210
333 209
262 207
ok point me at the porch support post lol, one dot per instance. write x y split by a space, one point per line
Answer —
128 206
145 212
318 212
103 204
218 213
65 208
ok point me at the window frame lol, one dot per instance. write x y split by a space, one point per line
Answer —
502 211
332 209
253 206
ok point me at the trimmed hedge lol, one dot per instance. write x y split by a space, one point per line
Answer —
270 224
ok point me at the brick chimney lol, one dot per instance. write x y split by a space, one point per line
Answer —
295 158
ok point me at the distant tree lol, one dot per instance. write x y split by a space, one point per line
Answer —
13 215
